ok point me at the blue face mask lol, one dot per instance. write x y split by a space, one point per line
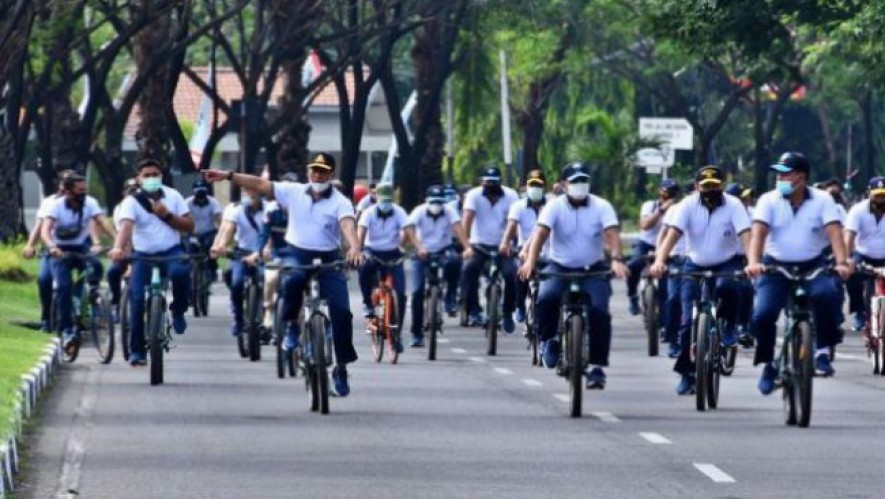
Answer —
151 184
385 206
785 187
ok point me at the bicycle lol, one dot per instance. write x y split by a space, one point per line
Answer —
711 357
200 280
91 310
531 323
573 332
874 331
433 301
249 341
795 361
493 298
125 312
384 327
286 361
651 301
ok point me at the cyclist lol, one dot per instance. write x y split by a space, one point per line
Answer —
580 227
865 242
715 225
650 216
435 224
272 242
245 220
484 218
455 201
794 224
745 296
66 229
318 216
151 221
367 201
834 188
117 268
206 212
671 312
521 221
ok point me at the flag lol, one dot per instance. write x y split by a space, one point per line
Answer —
203 126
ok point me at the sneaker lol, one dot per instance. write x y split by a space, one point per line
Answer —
179 324
686 385
236 328
767 382
673 351
634 305
507 324
266 335
519 315
822 365
476 319
292 334
417 342
339 381
746 340
595 379
729 339
70 339
368 311
115 314
551 350
860 321
137 359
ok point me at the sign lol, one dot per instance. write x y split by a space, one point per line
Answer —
677 132
655 159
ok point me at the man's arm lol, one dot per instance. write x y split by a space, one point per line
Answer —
33 237
222 239
259 184
360 235
124 237
95 230
467 222
850 237
612 236
745 240
837 241
509 233
348 229
671 236
46 232
460 234
410 237
757 242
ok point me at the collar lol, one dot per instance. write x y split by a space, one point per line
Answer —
577 204
804 198
73 209
326 194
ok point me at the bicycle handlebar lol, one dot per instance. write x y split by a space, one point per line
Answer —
387 263
795 275
335 264
706 274
573 274
161 259
492 253
870 270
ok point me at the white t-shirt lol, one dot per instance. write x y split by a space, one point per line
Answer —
526 219
576 233
681 246
66 217
45 205
650 236
870 240
435 233
712 236
204 216
246 235
313 225
151 234
383 233
799 236
490 219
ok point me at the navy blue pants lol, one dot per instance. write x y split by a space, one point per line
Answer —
856 300
238 272
672 310
62 272
636 264
416 269
179 274
471 272
115 280
44 286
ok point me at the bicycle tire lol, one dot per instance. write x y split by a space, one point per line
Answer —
156 323
880 343
203 296
68 355
253 322
318 331
531 327
101 326
713 358
803 349
575 349
125 325
700 364
392 336
243 341
493 302
283 357
433 319
650 317
196 282
788 383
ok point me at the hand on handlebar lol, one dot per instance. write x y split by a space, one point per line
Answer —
468 253
55 252
844 270
355 257
657 270
526 270
423 253
252 260
504 250
117 254
216 251
620 270
28 252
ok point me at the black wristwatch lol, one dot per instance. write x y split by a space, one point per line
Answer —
168 217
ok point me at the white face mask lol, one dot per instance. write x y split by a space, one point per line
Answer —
245 200
535 193
434 208
320 186
579 191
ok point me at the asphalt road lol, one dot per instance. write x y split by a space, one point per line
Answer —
465 425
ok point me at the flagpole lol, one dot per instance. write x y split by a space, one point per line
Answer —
505 118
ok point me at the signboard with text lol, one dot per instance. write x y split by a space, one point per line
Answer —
675 132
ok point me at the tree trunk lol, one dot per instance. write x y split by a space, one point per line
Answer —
152 135
869 139
760 173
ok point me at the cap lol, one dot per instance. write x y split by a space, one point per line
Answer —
790 162
149 162
450 189
748 193
536 177
574 171
491 174
199 184
669 185
323 161
876 185
435 194
734 189
384 191
709 175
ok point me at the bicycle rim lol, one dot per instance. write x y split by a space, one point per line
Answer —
391 327
102 327
700 361
650 302
879 344
318 332
279 338
713 359
494 305
125 325
196 282
434 320
253 322
575 349
156 323
803 341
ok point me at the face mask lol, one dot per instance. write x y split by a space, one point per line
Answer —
434 208
79 198
535 194
878 205
492 190
785 187
385 206
320 186
578 191
151 184
450 198
245 200
712 198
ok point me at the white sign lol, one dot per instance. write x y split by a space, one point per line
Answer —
652 158
677 132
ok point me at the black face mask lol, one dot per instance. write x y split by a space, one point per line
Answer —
201 198
78 199
712 198
492 190
878 206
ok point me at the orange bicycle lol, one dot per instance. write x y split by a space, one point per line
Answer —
384 328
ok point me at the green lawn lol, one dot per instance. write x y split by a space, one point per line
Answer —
20 348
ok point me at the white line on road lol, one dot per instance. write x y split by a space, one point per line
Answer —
478 360
532 382
849 357
503 370
655 438
442 340
606 417
714 473
459 350
561 396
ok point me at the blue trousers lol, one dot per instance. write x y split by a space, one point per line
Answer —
597 294
856 300
415 269
62 272
672 310
636 264
115 280
206 239
179 274
333 288
238 272
471 271
44 287
772 292
726 291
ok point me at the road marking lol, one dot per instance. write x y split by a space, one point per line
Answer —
849 357
714 473
655 438
442 340
75 447
459 350
562 397
606 417
503 370
478 360
532 382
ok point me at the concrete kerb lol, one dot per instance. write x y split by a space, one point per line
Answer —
32 386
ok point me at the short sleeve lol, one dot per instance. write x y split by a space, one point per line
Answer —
216 206
852 223
832 212
413 217
127 209
345 208
513 213
471 200
180 207
680 219
739 217
401 217
647 209
51 210
547 217
670 215
283 192
92 207
230 214
453 215
609 217
367 217
764 211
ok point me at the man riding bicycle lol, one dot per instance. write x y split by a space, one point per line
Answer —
272 243
865 242
206 212
651 215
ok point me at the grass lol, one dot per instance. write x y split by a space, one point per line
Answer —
20 347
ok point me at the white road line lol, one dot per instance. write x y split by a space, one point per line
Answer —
847 356
714 473
606 417
561 397
478 360
503 370
459 350
655 438
532 382
442 340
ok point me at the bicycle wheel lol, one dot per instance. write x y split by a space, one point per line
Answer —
243 340
321 371
650 317
125 325
284 358
196 282
434 319
493 303
391 327
253 322
575 360
803 366
377 333
68 355
101 326
713 361
879 343
156 323
700 360
311 366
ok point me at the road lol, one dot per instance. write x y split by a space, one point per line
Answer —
465 425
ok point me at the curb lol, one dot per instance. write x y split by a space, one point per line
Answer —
32 385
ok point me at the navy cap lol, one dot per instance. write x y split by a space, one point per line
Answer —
734 188
574 171
491 174
709 175
790 162
670 185
435 194
876 185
